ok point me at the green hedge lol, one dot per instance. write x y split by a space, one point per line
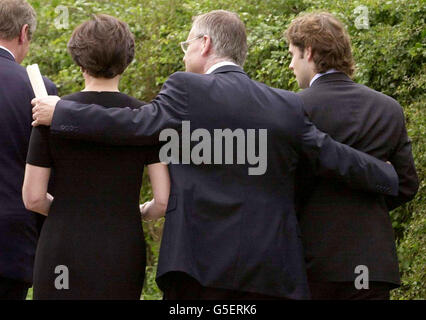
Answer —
390 58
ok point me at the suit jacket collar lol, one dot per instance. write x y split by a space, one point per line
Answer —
229 68
6 55
331 77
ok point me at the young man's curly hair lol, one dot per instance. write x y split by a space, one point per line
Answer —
328 38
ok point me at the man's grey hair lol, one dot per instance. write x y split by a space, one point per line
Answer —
14 14
227 32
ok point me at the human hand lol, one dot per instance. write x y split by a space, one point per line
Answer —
43 110
151 211
144 212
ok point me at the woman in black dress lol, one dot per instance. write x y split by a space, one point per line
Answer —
92 244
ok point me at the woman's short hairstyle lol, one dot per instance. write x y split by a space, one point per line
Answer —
14 14
328 38
103 46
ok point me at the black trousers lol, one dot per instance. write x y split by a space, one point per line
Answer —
347 291
13 289
181 286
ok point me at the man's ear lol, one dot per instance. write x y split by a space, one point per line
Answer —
308 53
23 36
207 46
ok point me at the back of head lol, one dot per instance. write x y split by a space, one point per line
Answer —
328 38
14 14
228 34
103 46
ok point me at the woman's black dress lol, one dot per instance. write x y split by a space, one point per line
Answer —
94 227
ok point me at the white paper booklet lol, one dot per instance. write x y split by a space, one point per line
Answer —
36 81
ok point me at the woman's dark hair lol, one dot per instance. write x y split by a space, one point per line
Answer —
103 46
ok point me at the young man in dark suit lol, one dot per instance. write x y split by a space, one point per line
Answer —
227 234
19 228
342 228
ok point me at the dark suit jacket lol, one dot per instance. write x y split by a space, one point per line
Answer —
341 227
19 228
225 228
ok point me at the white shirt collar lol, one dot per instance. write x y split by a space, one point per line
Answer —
220 64
1 47
321 74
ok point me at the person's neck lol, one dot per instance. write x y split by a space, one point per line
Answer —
212 62
312 74
101 84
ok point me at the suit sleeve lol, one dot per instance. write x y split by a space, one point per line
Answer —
402 160
124 126
331 159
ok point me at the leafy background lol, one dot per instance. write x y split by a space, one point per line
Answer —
390 58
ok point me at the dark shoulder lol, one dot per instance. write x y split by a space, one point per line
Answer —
105 99
182 80
179 79
306 92
14 78
50 86
132 101
384 102
20 72
377 95
309 97
314 92
13 71
182 75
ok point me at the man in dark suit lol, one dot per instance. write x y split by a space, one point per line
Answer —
19 228
343 228
228 234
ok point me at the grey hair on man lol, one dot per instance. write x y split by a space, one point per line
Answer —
228 34
14 14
